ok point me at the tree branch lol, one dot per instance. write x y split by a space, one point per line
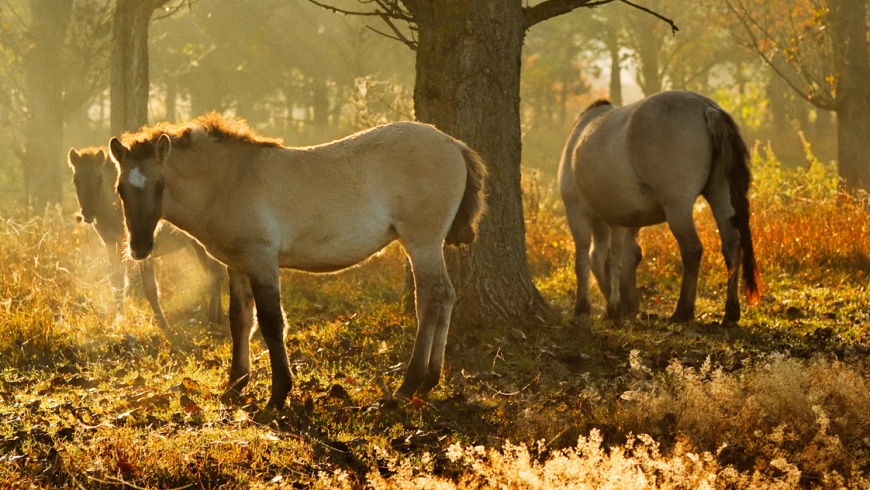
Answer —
671 23
337 10
810 92
388 11
554 8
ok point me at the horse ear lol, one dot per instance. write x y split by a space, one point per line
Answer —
117 150
101 154
73 158
162 147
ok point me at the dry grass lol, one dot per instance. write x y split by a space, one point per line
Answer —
91 400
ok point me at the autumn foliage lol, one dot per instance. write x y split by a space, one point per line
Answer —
94 400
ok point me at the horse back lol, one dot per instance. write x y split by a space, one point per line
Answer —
669 146
328 207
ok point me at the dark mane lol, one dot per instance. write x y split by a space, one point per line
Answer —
597 103
212 126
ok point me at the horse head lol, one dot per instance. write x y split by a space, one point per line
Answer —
87 168
140 185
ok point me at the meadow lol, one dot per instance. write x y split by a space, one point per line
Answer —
95 400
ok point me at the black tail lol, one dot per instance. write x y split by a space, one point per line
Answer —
464 227
734 155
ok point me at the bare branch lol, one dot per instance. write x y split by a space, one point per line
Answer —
397 35
337 10
814 96
554 8
388 11
671 23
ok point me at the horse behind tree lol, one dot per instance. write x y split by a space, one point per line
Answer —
624 168
94 177
258 206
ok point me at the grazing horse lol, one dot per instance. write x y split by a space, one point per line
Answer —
94 177
258 206
646 163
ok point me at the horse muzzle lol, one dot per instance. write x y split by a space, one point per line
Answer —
141 251
84 218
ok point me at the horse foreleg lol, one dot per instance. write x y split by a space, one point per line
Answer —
215 271
614 270
601 256
241 329
632 255
117 275
682 226
431 298
149 289
270 316
581 231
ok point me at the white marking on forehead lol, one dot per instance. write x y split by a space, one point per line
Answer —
136 178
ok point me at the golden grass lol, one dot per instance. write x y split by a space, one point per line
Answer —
90 400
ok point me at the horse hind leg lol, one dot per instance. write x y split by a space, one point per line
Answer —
436 360
722 212
682 226
433 301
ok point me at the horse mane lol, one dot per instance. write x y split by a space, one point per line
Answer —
209 127
597 103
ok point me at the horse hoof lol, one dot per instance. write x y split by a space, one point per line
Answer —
266 416
403 395
679 317
230 397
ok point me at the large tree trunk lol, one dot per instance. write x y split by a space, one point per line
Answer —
849 33
44 168
129 79
468 83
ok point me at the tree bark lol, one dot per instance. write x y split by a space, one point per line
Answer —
468 84
613 47
129 78
42 159
849 36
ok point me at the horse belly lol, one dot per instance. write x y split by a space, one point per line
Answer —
332 250
625 205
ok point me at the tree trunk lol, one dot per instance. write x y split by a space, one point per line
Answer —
129 80
613 47
44 168
849 35
468 84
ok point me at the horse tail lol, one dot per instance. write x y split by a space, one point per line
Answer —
471 208
730 151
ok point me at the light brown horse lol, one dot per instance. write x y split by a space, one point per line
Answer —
258 206
94 177
646 163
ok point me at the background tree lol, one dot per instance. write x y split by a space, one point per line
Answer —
130 81
43 97
468 60
820 49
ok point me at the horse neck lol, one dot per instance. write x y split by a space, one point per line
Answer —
109 218
192 189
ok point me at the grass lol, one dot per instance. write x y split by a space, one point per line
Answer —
94 400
